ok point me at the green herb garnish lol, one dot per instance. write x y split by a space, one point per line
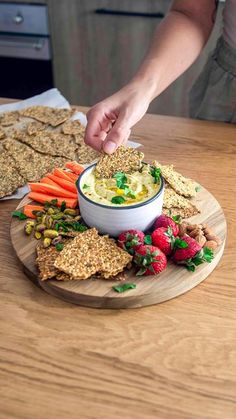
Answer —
117 200
148 239
124 287
121 183
59 247
156 174
197 188
19 214
86 186
121 179
52 203
63 206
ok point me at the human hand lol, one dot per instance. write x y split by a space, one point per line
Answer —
110 121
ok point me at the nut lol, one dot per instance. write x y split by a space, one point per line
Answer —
207 231
200 239
182 229
46 242
51 234
192 227
72 212
195 232
57 240
28 228
211 237
51 211
37 235
211 244
40 227
58 216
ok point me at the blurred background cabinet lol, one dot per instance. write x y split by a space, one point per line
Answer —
99 44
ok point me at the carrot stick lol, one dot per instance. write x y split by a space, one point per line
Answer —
52 190
75 167
65 184
28 210
61 174
42 198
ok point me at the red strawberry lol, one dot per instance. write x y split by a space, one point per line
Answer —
189 253
163 238
130 240
150 260
165 221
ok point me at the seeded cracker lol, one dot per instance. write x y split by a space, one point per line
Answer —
9 118
31 165
50 143
112 258
2 134
86 154
73 127
10 179
79 259
35 127
178 204
48 115
45 260
125 159
182 185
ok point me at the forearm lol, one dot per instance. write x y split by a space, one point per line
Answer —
176 44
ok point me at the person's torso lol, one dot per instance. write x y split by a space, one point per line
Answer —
229 18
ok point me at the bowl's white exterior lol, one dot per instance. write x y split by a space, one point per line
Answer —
114 220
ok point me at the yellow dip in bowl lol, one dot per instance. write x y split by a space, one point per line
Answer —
122 189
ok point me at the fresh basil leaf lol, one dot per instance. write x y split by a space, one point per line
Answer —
124 287
19 214
118 200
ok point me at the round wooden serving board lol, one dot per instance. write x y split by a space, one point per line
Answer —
174 281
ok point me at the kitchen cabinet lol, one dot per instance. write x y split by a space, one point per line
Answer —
96 51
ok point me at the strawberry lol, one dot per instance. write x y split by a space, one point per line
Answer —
150 260
189 253
130 240
163 238
165 221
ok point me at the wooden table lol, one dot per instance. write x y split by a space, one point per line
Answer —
173 360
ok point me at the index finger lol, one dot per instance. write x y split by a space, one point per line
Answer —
93 131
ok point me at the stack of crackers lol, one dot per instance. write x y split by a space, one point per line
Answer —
34 141
178 192
86 255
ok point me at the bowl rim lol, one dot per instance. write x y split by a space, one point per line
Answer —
130 207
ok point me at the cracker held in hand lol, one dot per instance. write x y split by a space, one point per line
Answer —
124 159
182 185
177 204
48 115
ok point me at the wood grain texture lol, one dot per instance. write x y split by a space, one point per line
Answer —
175 360
93 292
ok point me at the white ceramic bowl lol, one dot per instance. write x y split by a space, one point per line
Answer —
113 220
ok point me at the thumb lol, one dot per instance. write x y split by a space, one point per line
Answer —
118 135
